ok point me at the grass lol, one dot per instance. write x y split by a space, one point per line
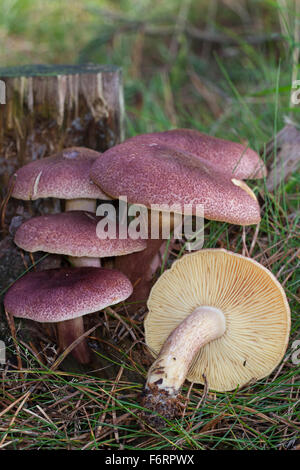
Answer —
236 90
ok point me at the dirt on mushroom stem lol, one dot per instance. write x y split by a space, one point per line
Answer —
244 316
169 370
159 402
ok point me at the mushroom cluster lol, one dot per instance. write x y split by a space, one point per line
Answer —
210 313
178 168
63 296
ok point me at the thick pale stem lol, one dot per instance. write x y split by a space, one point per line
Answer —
170 369
81 205
79 262
70 330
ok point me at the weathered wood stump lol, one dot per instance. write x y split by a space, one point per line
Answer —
52 107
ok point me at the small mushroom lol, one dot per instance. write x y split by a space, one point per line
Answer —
215 316
64 175
73 233
64 295
151 173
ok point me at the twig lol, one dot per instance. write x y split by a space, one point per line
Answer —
12 327
245 249
114 314
254 239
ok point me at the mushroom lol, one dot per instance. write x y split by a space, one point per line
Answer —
65 295
73 233
64 175
236 159
153 173
215 316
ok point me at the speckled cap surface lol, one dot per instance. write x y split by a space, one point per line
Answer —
73 233
152 173
238 160
64 175
62 294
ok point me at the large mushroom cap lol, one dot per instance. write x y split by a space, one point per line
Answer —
152 173
56 295
253 302
72 233
238 160
64 175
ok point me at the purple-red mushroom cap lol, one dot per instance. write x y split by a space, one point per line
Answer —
57 295
73 233
153 173
233 158
64 175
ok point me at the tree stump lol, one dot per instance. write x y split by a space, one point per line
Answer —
52 107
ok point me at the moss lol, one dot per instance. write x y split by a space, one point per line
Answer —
43 70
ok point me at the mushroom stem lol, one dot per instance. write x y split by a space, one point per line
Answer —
137 267
140 267
81 205
169 370
84 261
75 328
70 330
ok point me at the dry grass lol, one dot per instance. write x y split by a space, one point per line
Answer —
233 87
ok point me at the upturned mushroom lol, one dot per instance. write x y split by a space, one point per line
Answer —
149 172
215 316
64 295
